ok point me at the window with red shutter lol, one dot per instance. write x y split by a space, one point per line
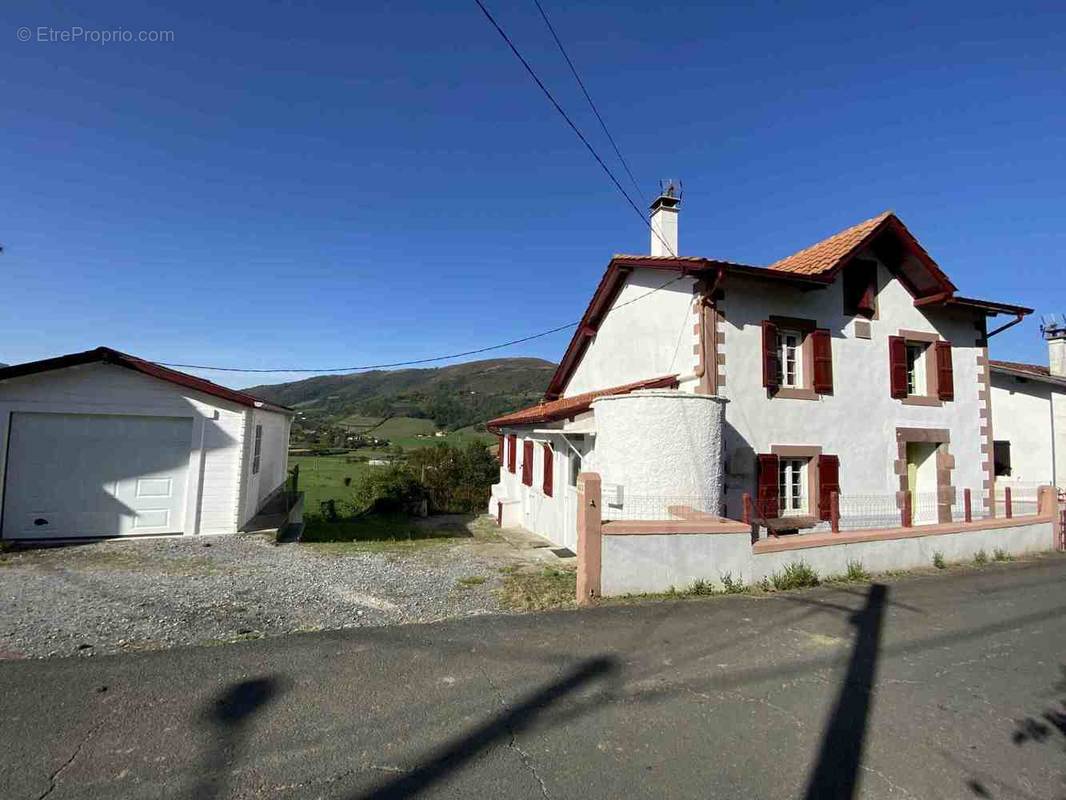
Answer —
549 470
512 452
897 366
822 346
828 482
527 462
945 372
767 495
771 369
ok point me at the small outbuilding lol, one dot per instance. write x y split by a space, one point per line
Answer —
104 444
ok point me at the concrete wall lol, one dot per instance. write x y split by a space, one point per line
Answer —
215 448
1022 415
649 563
660 443
910 553
646 339
858 421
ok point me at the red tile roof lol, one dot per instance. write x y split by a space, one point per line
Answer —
108 356
826 254
566 407
1017 366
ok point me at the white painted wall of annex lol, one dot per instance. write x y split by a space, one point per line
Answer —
1022 415
273 460
660 443
217 430
858 421
646 339
528 506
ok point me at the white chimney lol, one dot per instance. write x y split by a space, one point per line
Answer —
1054 330
664 221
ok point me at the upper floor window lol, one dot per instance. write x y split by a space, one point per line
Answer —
921 369
790 359
797 358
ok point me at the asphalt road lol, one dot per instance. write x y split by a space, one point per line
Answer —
731 697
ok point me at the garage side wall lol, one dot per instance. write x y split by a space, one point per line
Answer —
217 428
273 461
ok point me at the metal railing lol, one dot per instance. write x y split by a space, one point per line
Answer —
658 507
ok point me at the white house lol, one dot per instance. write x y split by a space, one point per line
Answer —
1029 409
852 366
100 444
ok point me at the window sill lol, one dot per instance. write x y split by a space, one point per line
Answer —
787 393
921 400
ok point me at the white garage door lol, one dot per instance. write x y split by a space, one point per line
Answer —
79 475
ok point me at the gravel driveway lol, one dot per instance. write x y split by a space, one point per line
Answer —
122 595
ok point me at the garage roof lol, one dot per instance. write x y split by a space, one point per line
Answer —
106 355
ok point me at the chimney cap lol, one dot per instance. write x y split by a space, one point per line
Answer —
670 192
1053 326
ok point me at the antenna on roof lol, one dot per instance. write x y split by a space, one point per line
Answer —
1053 326
668 187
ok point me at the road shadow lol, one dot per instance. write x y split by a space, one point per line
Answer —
505 726
228 716
836 770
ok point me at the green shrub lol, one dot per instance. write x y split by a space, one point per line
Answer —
388 490
856 573
731 586
938 560
700 587
980 557
1000 554
797 575
456 479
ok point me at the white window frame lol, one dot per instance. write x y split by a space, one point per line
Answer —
257 449
917 353
790 359
792 487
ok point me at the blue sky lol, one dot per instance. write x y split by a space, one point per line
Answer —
325 184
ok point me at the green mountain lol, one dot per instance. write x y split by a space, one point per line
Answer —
453 397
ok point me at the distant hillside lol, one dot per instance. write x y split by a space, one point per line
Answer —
453 397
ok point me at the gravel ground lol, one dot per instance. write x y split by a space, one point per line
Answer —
112 596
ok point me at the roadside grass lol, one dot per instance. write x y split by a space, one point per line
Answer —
538 589
1001 555
470 581
395 532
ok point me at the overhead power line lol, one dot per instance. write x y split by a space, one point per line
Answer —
588 97
478 351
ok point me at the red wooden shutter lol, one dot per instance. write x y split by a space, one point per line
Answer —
549 472
945 372
512 452
527 462
771 370
897 366
828 482
822 345
767 497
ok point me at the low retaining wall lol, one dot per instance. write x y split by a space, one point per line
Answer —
645 557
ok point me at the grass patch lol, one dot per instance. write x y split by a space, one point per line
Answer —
701 588
980 558
797 575
540 589
470 581
938 560
1001 555
734 586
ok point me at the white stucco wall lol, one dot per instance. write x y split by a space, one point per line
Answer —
660 443
215 448
553 517
1022 415
647 564
646 339
651 563
858 421
914 553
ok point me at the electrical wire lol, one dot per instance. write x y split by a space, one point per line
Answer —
588 97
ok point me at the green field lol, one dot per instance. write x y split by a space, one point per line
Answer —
322 478
404 431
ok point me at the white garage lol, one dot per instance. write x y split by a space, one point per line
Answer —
103 444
